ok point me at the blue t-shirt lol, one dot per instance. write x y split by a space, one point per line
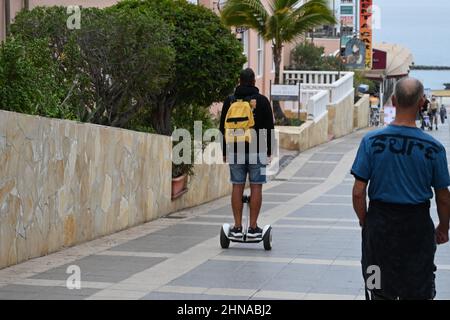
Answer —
401 164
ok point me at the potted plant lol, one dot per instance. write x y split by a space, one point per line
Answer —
180 174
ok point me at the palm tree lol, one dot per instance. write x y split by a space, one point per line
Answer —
280 21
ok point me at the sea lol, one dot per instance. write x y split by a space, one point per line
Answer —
421 26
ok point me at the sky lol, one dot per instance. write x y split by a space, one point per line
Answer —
422 26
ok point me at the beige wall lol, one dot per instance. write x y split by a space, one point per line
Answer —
362 111
63 183
307 136
340 117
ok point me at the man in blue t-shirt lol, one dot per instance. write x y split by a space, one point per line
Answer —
401 165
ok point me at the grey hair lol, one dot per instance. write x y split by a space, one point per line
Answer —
408 92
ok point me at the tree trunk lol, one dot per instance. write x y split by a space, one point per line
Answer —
7 17
278 112
161 117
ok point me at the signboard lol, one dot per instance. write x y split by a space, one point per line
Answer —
346 10
379 59
365 28
389 115
355 54
347 21
280 92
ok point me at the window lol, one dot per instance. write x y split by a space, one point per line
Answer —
244 36
260 54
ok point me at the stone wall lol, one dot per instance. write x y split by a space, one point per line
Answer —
361 113
340 117
63 183
308 135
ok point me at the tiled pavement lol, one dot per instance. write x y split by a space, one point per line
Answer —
315 256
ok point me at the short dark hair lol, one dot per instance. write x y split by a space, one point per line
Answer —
247 77
408 92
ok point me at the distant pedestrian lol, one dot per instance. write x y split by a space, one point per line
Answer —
423 111
402 164
443 113
433 109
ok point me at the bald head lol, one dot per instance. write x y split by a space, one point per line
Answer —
408 93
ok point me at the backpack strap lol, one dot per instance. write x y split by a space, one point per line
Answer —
232 99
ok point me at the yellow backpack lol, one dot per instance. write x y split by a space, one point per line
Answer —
238 121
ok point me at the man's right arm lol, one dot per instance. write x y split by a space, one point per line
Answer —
359 195
443 209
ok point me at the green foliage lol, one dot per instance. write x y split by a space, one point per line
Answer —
184 117
208 57
132 64
110 68
27 79
49 23
359 78
306 56
126 58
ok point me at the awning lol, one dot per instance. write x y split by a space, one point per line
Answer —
399 61
441 93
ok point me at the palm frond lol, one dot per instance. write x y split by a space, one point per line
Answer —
247 13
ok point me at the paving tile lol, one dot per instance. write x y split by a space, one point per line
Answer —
326 157
328 199
292 188
103 268
188 230
277 197
24 292
185 296
160 243
229 274
317 170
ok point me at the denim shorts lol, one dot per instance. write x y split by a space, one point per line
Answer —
251 165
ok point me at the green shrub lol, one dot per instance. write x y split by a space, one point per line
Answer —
207 63
306 56
28 81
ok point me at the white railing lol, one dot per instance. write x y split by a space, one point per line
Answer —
342 88
317 104
339 84
305 95
311 77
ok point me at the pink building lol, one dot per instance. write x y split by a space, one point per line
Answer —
258 52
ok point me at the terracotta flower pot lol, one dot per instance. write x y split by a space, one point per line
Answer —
179 186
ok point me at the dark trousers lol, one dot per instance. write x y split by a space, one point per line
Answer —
400 241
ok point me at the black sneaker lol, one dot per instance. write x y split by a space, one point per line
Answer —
254 232
236 232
